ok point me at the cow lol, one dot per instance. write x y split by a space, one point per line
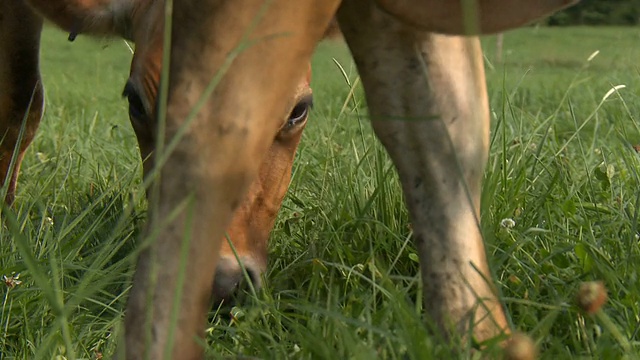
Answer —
424 82
231 64
22 103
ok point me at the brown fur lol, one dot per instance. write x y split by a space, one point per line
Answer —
21 95
333 30
470 17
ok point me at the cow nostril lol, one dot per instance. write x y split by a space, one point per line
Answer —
254 278
230 281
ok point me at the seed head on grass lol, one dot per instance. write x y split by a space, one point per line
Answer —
520 347
591 296
12 280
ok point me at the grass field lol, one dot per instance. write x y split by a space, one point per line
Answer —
342 278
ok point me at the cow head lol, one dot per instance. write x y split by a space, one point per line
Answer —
142 21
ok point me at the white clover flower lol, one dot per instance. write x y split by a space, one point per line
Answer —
42 157
507 223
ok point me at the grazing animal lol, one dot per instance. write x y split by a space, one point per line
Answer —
22 102
427 103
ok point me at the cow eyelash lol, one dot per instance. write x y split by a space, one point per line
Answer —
300 111
136 107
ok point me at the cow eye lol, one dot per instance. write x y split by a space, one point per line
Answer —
136 107
300 112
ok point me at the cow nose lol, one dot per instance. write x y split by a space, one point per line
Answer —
230 280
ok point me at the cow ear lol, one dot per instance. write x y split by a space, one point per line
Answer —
467 17
93 17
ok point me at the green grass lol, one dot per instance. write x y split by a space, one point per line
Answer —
341 281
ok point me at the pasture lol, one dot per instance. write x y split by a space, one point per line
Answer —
561 205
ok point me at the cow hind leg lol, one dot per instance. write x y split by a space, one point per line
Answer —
21 91
428 105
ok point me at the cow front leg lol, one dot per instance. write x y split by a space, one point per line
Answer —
258 55
21 91
428 105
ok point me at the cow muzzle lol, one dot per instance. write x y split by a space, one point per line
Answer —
234 278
